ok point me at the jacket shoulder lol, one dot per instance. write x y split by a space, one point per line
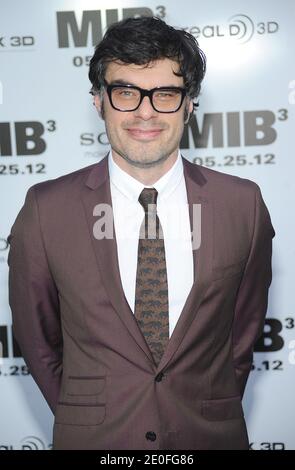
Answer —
65 181
218 181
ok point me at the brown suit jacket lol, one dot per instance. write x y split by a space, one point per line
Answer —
81 340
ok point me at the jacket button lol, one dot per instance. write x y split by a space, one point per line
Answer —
159 377
151 436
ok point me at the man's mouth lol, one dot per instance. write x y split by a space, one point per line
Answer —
144 134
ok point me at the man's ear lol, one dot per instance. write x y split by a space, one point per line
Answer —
97 101
189 107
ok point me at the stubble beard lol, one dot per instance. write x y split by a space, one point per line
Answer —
132 159
145 162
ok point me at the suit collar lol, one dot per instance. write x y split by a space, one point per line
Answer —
100 173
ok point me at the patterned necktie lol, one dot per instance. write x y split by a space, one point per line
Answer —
151 293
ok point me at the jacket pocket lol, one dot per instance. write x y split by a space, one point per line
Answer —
222 409
79 414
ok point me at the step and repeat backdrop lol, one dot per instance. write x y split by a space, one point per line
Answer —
245 126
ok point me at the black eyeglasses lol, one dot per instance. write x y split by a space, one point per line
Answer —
128 98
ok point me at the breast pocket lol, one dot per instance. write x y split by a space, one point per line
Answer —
84 401
86 386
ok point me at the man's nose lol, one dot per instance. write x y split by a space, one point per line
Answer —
145 111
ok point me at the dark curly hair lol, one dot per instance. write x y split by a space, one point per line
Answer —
143 40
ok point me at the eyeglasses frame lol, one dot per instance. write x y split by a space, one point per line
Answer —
143 92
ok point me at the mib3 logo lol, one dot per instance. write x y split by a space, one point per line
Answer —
272 338
11 361
240 28
225 129
24 138
7 339
277 336
92 20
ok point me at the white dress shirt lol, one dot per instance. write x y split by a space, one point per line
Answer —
172 210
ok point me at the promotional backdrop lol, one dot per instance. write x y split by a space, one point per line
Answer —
244 126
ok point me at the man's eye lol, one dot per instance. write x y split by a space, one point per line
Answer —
166 94
125 92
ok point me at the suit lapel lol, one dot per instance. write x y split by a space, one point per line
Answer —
97 191
202 257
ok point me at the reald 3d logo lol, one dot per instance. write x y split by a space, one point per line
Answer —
28 443
240 28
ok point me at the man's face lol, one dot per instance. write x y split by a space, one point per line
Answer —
144 137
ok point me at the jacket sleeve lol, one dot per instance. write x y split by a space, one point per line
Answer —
33 299
252 297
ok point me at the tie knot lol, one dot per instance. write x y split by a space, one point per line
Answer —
148 196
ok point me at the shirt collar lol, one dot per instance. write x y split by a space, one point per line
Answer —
131 187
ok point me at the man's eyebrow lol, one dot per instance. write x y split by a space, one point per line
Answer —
120 81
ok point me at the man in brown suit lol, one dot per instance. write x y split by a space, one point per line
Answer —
137 344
